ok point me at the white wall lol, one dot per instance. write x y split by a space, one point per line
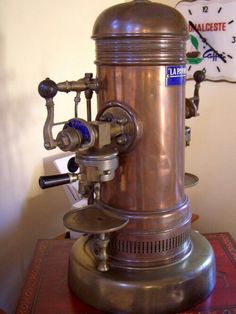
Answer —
52 38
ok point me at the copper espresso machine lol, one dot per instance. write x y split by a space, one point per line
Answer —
138 253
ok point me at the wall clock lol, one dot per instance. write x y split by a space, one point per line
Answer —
212 43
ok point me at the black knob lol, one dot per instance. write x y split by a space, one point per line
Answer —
72 165
88 75
56 180
199 76
47 89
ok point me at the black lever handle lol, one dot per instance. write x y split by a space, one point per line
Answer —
192 104
199 77
46 182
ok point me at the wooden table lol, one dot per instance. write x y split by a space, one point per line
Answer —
46 290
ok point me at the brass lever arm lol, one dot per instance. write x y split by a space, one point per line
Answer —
48 89
192 104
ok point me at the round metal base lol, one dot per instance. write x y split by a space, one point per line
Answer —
166 289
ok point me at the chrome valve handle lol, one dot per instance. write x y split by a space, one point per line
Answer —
48 90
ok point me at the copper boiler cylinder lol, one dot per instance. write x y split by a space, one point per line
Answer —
156 261
138 44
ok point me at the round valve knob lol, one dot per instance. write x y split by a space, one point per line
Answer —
72 165
47 89
199 76
76 134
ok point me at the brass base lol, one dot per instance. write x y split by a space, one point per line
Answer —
167 289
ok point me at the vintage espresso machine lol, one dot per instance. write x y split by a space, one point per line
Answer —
138 253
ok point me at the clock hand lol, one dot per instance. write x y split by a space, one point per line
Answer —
206 42
197 31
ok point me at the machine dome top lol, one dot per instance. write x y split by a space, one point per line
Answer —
139 18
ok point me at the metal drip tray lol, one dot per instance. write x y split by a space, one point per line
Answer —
190 180
93 219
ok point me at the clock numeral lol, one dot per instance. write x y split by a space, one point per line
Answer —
189 68
219 10
205 9
218 69
190 12
233 40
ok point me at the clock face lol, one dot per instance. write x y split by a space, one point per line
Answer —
212 38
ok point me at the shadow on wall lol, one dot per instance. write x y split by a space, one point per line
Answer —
41 217
10 231
26 212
